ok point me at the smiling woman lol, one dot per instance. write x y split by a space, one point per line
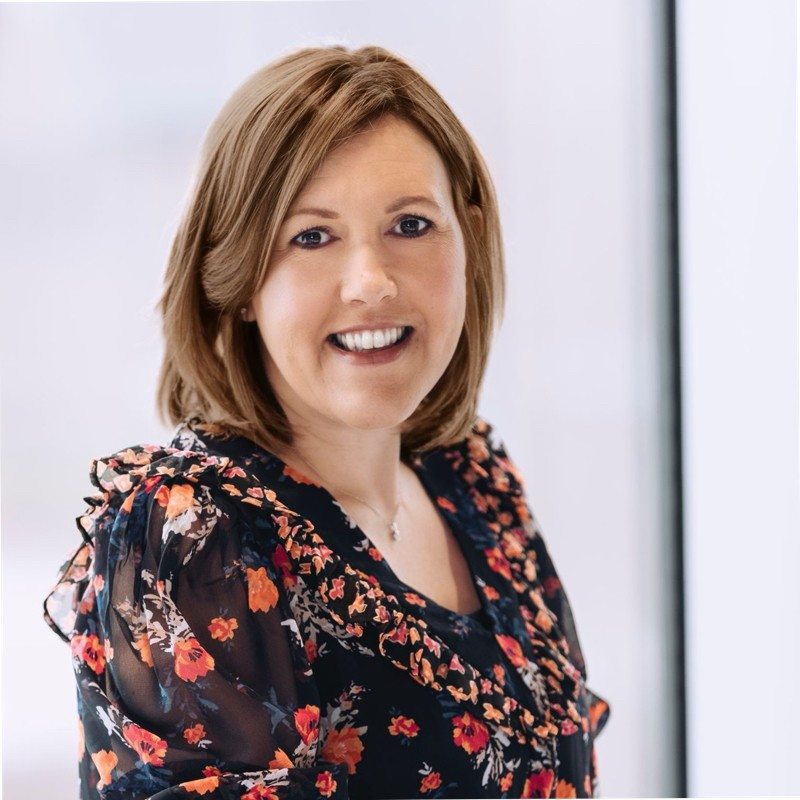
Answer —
329 583
375 265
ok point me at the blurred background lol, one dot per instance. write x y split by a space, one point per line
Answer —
645 380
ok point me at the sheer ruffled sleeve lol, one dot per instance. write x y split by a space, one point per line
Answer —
191 674
505 483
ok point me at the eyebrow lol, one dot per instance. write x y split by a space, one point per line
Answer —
395 206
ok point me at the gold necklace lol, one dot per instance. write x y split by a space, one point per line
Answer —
393 527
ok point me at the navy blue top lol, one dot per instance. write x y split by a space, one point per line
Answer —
234 634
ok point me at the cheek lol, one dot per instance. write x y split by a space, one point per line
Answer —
290 314
446 290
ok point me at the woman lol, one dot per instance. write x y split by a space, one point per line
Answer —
329 583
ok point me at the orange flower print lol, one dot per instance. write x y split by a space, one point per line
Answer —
201 785
544 620
358 605
222 629
89 650
506 781
181 498
403 726
505 518
192 660
262 593
499 674
194 734
491 593
296 476
596 711
432 645
325 783
127 505
161 496
105 761
261 793
150 748
415 599
280 760
512 649
343 747
470 733
338 589
375 554
565 789
311 650
306 721
538 784
210 770
497 561
492 713
568 727
443 502
511 546
552 666
143 646
433 780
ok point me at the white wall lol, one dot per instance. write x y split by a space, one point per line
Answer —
739 273
104 109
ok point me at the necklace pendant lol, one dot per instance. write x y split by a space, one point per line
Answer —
395 531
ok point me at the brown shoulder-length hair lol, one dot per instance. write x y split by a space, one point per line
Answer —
267 140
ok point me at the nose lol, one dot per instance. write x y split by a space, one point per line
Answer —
367 275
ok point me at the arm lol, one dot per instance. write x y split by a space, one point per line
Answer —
191 675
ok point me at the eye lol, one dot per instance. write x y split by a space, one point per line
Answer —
409 229
312 238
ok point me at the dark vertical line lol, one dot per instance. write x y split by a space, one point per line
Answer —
676 439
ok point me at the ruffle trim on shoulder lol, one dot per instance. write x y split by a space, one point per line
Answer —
118 478
497 487
599 712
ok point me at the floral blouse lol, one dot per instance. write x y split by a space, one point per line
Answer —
234 634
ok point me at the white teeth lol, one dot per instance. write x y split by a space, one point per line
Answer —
369 340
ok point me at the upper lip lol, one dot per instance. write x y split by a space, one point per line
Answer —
373 326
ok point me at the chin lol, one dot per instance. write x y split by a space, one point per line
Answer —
369 416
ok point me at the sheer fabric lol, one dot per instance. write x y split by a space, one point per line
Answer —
234 634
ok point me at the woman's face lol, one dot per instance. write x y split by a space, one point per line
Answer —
371 242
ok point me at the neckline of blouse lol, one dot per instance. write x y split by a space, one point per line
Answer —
490 569
421 466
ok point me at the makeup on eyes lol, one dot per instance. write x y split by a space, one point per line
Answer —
429 226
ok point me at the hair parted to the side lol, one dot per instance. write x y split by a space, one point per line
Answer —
268 139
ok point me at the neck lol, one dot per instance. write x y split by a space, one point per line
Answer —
372 476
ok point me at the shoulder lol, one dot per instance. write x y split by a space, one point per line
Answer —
198 455
162 500
496 481
131 479
489 461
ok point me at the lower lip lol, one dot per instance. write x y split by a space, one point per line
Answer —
368 357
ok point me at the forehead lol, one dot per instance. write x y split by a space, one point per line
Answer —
390 151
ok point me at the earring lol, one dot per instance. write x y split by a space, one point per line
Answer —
243 312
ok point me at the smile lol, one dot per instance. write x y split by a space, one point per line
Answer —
374 355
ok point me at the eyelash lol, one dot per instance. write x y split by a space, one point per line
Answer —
430 226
